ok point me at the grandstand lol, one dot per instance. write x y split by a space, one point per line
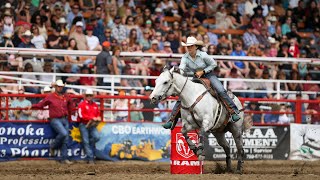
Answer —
279 41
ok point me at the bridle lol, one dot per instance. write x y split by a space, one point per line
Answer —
171 83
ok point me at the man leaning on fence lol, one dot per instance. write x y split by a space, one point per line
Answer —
89 117
59 108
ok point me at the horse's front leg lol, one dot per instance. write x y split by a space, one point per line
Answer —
200 148
191 145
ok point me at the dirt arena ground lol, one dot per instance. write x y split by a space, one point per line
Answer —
260 170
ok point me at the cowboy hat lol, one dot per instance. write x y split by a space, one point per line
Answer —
59 83
190 41
89 92
46 89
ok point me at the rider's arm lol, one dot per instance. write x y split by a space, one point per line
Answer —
211 63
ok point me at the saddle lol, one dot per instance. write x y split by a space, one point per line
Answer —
207 84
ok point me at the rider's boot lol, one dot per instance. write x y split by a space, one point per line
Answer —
174 117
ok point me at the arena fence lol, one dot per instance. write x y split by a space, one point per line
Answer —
293 110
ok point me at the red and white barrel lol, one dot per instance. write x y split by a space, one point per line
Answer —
183 160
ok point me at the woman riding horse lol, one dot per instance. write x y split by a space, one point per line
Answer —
201 65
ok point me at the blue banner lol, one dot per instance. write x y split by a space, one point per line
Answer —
32 140
138 141
118 141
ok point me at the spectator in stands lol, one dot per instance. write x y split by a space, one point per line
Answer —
314 109
47 69
87 81
135 104
8 23
97 23
312 15
121 106
249 7
294 34
237 84
145 41
156 70
132 27
281 75
26 43
32 89
154 47
38 40
236 17
74 13
286 27
60 106
313 52
310 86
191 18
117 62
169 7
148 115
175 44
20 102
79 37
89 117
249 38
39 21
125 10
93 41
263 38
167 48
87 5
107 37
295 86
133 40
223 21
241 66
118 31
103 63
68 68
294 48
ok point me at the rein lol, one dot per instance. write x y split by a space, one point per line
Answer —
190 109
184 85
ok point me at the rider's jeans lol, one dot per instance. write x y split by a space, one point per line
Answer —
221 91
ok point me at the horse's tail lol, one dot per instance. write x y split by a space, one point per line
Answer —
247 123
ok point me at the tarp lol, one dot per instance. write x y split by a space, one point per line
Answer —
304 142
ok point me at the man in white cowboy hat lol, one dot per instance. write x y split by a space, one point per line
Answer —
26 43
89 116
59 106
201 65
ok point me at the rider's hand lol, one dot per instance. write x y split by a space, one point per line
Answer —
199 73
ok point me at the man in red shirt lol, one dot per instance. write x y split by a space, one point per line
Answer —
89 116
59 106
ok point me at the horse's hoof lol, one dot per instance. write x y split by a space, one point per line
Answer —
201 158
229 170
239 172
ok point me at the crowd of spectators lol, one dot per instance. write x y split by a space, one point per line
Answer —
266 28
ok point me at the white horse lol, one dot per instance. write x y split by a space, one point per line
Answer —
200 110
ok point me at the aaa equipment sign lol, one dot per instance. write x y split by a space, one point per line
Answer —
261 142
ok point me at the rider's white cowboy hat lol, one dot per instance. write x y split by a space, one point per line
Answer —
192 41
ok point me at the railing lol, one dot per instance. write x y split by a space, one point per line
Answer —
5 108
113 79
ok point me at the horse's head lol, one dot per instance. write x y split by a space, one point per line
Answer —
164 86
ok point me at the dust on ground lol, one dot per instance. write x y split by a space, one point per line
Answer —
214 170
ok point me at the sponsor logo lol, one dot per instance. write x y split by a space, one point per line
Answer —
185 163
182 147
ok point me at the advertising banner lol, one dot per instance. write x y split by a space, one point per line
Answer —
183 160
138 141
30 140
304 142
261 142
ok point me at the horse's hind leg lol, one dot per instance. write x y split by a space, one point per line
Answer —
237 136
221 139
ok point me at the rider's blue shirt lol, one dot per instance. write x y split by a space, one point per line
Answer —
202 61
